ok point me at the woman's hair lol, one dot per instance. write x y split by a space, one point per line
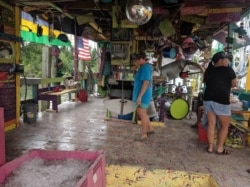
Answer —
141 55
216 57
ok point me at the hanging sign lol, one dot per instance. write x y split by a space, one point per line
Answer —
217 15
223 17
30 31
193 19
166 28
159 10
193 10
224 10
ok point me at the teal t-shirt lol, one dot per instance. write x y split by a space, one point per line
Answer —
143 73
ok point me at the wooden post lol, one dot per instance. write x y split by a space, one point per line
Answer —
2 138
248 74
76 76
17 61
46 72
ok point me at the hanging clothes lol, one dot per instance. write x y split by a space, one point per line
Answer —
107 65
59 67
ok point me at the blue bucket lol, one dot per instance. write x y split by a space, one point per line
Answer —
126 117
169 52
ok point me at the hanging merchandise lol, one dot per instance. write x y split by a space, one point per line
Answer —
189 48
166 28
181 68
101 68
59 67
240 30
55 51
200 43
169 52
51 25
39 30
63 37
107 65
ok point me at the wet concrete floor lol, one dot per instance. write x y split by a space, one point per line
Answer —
82 126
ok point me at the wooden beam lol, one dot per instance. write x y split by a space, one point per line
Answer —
60 10
87 5
47 5
148 38
98 29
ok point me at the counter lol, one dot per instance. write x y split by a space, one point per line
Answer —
117 86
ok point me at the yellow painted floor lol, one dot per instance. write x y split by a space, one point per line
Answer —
127 176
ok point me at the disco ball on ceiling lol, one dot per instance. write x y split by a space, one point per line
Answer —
139 11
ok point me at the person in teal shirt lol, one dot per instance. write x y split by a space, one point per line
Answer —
142 93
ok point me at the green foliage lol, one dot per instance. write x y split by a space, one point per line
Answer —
31 58
31 55
94 60
67 57
217 47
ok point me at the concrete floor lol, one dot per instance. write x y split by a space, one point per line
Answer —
81 126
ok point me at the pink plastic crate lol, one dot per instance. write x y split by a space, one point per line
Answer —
94 177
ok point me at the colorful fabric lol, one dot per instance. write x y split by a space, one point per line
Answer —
48 36
59 67
83 49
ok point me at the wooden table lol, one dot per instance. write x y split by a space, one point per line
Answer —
55 97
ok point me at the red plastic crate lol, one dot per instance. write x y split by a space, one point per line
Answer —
83 96
94 177
202 133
